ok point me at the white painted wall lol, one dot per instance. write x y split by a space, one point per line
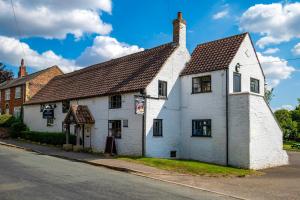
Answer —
129 144
249 67
166 109
204 106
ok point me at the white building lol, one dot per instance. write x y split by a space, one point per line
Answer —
208 107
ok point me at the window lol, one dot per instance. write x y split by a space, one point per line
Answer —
18 93
201 128
254 85
114 128
7 94
201 84
157 127
162 89
236 82
115 101
50 121
65 106
7 109
125 123
17 112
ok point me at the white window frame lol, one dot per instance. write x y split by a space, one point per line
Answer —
7 94
17 111
18 92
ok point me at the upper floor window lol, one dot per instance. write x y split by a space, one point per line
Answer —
65 106
115 101
7 94
201 128
157 127
18 93
236 82
254 85
201 84
162 88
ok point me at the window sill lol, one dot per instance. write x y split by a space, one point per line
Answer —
201 92
157 136
205 136
114 108
163 97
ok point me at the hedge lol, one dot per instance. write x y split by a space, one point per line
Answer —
6 120
47 137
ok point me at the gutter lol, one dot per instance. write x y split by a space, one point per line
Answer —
227 120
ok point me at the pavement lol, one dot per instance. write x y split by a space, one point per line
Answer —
28 175
276 183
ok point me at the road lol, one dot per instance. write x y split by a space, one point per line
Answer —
27 175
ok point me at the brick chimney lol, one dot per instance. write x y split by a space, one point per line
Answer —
22 69
179 30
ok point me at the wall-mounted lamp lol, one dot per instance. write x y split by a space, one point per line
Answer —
237 67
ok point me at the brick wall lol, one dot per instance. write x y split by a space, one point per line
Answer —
12 102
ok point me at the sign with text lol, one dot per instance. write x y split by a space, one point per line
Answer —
139 105
48 112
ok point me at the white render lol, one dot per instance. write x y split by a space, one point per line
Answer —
254 137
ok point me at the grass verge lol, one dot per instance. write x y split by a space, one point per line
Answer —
287 145
191 167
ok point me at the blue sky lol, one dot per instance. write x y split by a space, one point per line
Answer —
104 29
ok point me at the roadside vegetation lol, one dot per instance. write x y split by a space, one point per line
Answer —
289 121
191 167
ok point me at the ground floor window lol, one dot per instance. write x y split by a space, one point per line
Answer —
201 128
114 128
7 109
17 112
50 121
157 127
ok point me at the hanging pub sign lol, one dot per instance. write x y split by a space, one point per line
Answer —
48 112
139 105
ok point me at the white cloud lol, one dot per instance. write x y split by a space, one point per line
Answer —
275 69
276 22
286 107
105 48
221 14
271 50
54 18
296 49
11 52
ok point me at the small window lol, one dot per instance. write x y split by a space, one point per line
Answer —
162 89
254 85
201 84
7 94
17 112
65 106
115 101
18 93
7 108
236 82
125 123
50 121
201 128
157 127
114 128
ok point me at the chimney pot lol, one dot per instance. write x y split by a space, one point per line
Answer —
179 15
22 69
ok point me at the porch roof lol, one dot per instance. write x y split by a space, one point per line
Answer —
81 114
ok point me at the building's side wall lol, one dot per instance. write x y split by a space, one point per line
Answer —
166 109
239 133
129 144
266 145
210 105
35 84
250 67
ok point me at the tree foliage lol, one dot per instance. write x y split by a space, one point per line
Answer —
5 74
289 122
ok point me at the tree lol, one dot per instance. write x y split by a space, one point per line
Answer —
269 95
287 124
5 74
296 115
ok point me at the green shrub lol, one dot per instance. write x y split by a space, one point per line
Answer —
47 137
16 128
6 120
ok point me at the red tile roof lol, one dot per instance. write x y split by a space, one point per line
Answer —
214 55
126 74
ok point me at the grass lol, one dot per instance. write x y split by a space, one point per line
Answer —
287 145
191 167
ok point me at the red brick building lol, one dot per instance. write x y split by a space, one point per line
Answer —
13 93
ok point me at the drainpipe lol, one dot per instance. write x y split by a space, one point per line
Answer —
227 120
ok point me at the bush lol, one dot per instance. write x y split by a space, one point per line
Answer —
47 137
16 128
6 120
